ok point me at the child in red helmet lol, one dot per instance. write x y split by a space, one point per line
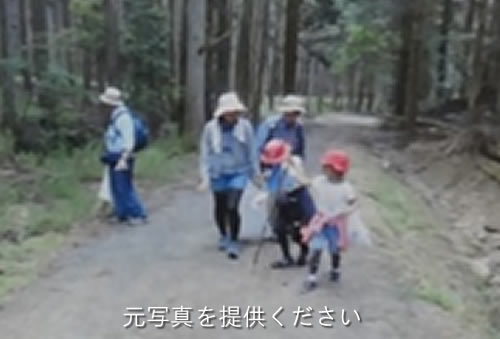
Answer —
335 201
291 203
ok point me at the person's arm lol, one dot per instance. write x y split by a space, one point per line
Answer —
299 170
254 155
125 126
204 155
262 136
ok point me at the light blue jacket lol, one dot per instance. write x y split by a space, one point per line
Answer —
275 127
120 133
235 155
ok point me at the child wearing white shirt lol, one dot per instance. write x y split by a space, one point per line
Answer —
335 200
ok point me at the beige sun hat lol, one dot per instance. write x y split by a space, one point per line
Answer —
112 96
292 103
228 102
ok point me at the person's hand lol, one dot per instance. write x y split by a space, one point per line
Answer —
121 165
203 186
259 181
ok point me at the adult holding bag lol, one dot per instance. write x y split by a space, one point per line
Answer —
126 134
228 160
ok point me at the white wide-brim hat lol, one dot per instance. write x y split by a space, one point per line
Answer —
229 102
112 96
292 103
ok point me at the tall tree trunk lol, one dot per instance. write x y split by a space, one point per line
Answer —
418 12
12 51
468 29
195 84
371 87
243 53
224 50
351 86
179 43
361 90
178 22
259 56
291 43
446 22
111 10
39 37
496 52
67 24
477 66
27 41
311 94
403 64
51 33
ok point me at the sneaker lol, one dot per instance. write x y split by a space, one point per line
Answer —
302 261
310 284
282 264
334 276
223 243
233 250
137 222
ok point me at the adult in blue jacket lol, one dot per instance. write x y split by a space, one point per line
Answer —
286 126
119 157
228 160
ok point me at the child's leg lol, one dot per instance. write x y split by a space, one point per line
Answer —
315 262
333 241
282 234
316 245
304 248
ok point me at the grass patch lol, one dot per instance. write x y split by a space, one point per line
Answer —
437 296
39 205
19 262
399 207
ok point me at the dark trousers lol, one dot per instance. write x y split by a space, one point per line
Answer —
126 202
295 209
227 213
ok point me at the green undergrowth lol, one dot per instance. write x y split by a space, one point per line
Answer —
43 198
422 256
401 210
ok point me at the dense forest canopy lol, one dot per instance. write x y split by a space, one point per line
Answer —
173 57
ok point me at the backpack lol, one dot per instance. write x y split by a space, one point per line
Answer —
141 131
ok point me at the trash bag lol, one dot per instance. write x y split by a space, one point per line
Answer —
357 232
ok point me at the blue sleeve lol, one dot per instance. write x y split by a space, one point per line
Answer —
254 156
262 136
204 153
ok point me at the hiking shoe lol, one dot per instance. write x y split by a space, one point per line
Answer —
223 243
334 276
233 250
282 264
302 261
310 284
137 222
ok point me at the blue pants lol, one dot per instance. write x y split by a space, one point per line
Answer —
125 199
229 182
328 239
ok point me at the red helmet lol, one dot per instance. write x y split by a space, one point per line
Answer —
337 160
275 152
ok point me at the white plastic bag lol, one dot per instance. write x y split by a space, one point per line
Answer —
357 233
105 190
260 200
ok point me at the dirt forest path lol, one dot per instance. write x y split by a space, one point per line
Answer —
173 262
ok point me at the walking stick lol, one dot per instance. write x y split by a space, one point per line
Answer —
272 217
